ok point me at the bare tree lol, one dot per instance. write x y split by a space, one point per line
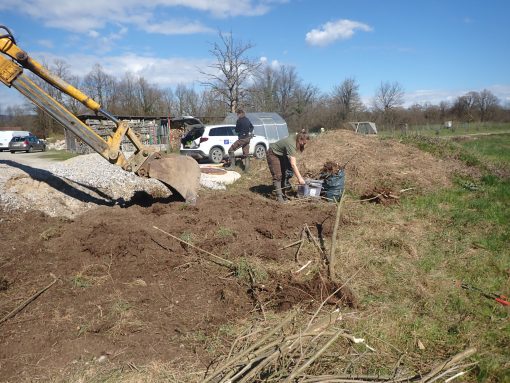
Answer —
346 97
464 107
486 102
263 91
231 72
150 98
126 96
282 91
187 100
444 111
169 102
388 98
210 109
45 122
287 84
100 86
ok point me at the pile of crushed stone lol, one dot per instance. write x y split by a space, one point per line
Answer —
71 187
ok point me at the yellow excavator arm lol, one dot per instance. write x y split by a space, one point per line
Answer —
180 173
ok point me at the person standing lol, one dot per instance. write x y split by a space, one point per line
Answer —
281 157
244 130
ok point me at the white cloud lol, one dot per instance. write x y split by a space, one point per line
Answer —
435 96
335 30
177 27
275 64
83 16
165 72
45 43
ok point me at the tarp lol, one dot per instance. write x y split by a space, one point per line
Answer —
270 125
364 127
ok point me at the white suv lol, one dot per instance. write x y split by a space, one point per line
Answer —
213 142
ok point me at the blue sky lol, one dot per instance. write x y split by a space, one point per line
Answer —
436 49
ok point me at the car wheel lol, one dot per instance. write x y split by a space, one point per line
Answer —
44 148
12 151
260 151
30 150
216 155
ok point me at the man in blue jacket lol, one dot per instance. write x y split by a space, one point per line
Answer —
244 130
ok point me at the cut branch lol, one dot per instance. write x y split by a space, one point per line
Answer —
27 302
209 256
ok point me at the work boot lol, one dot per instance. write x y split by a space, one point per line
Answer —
247 163
278 190
232 162
285 188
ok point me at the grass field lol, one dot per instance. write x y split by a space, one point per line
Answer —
495 148
58 155
458 129
469 241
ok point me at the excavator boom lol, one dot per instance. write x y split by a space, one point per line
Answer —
181 174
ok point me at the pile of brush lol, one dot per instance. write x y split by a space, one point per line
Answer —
290 353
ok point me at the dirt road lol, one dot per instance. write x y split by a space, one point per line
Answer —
37 160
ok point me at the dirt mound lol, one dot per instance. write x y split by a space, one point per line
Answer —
128 291
375 164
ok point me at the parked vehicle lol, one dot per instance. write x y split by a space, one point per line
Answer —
26 144
213 141
7 135
269 125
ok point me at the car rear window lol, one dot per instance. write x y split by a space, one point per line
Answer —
19 139
221 131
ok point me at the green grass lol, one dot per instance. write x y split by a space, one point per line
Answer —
58 155
485 152
460 234
437 130
495 148
470 243
225 232
80 281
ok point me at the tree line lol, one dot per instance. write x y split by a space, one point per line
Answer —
237 80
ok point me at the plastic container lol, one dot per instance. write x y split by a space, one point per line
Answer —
311 188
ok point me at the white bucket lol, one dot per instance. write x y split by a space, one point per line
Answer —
311 188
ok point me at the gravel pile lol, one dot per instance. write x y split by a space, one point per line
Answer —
81 183
93 171
72 187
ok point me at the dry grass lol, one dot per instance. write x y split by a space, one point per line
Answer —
375 163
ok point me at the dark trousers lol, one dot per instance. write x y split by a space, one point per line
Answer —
241 142
278 166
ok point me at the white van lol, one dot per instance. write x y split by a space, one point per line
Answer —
7 135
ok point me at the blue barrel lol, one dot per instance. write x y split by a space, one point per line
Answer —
333 185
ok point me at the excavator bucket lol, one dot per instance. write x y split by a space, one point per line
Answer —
180 173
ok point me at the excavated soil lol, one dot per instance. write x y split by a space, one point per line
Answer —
132 294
